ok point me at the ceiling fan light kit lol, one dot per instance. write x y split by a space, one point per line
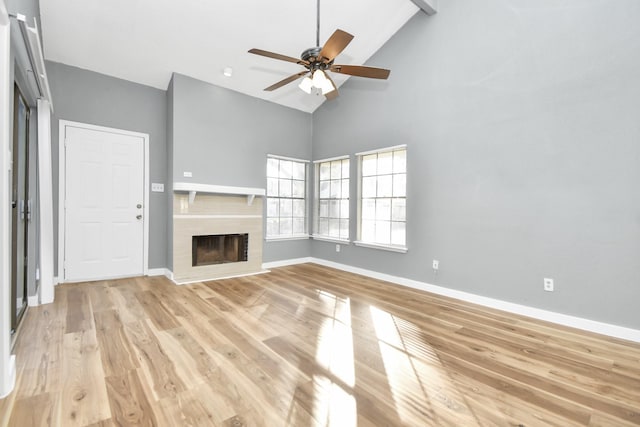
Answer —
318 60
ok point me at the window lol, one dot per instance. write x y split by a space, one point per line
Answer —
286 198
332 199
383 198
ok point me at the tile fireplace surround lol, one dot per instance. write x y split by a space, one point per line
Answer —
199 210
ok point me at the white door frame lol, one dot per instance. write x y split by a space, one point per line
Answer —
62 185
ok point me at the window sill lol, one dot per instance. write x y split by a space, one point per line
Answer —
331 239
391 248
285 238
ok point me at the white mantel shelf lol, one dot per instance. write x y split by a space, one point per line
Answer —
192 188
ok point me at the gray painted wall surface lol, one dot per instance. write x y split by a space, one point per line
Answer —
523 128
168 187
88 97
223 138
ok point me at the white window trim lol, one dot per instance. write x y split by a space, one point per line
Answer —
316 201
306 202
358 242
390 248
330 239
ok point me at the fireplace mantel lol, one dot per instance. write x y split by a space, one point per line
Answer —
192 188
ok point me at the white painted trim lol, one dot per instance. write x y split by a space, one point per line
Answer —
383 150
275 156
331 159
220 278
535 313
61 188
160 272
185 216
217 189
430 7
45 203
286 262
330 239
287 238
56 282
390 248
7 361
33 300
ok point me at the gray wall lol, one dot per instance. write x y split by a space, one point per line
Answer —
169 185
522 123
223 137
88 97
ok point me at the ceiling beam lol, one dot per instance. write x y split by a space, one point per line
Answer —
430 7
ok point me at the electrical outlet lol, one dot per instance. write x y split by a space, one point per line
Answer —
157 187
436 264
548 284
187 174
337 248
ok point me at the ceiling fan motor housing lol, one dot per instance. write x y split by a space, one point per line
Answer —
311 55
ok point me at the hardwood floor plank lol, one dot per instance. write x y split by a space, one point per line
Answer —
307 345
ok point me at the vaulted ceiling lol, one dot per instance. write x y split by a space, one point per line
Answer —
144 41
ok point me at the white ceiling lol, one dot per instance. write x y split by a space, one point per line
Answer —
144 41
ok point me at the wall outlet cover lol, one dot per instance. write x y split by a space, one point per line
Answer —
548 284
436 264
337 248
187 174
157 187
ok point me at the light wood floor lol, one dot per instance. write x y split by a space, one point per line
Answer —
307 346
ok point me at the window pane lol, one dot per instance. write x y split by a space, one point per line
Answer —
334 209
336 186
272 187
298 170
273 206
325 171
369 186
344 208
324 208
334 227
368 230
298 208
345 168
399 185
345 188
272 167
385 186
286 169
383 209
273 228
336 169
298 225
400 161
383 232
285 187
286 226
344 228
298 189
385 163
286 207
369 164
323 226
325 189
398 234
369 209
398 210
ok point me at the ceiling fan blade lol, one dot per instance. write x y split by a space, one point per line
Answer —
286 81
336 44
278 56
361 71
334 93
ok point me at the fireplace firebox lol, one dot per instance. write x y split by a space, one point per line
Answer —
219 249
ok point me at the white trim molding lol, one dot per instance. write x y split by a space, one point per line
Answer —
523 310
45 203
61 189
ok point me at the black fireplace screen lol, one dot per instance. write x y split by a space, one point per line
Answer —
219 249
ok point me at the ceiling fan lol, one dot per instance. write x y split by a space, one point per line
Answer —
318 60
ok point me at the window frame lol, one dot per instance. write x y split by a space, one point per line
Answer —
316 198
374 245
292 236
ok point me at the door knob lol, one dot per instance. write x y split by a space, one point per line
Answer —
138 216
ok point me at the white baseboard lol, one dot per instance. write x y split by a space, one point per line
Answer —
9 382
56 281
284 263
220 278
536 313
33 300
160 272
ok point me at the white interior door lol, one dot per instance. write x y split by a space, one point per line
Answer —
104 189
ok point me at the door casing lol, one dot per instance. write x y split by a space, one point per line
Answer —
63 124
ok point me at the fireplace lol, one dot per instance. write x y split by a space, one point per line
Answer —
219 249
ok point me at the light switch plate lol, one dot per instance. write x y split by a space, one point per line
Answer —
187 174
157 187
